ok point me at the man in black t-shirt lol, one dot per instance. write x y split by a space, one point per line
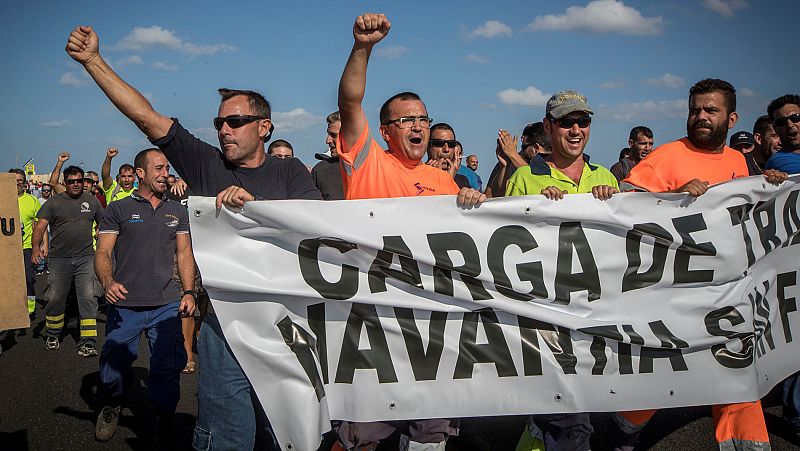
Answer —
237 172
70 216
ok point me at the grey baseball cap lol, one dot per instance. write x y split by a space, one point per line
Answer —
565 102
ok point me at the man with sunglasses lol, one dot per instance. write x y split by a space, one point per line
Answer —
47 191
691 165
71 216
566 170
372 173
785 114
237 172
444 152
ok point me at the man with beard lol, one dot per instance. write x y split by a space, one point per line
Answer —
146 232
785 114
237 172
691 165
640 143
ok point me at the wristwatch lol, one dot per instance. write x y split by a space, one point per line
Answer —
192 292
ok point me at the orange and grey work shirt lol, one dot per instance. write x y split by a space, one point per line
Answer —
374 173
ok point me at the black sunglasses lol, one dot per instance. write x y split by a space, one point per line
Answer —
235 120
784 121
568 122
72 181
451 143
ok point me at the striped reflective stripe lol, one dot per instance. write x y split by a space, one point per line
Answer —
55 325
347 168
55 318
89 322
88 332
364 152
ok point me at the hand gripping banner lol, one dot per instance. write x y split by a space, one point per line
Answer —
415 308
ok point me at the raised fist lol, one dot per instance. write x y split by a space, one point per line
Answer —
112 152
369 29
63 156
83 45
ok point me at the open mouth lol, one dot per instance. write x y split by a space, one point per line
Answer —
416 140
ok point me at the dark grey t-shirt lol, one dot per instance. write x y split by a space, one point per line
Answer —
71 223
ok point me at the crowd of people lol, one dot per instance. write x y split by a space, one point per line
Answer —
125 241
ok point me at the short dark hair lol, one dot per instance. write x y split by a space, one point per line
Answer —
140 160
640 129
406 95
443 126
624 153
18 171
88 173
279 143
535 131
778 103
716 85
70 170
333 117
47 185
762 125
258 103
127 167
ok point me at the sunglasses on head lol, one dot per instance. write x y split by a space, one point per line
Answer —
72 181
235 120
784 121
451 143
568 122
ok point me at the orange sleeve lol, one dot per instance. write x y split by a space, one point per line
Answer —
348 154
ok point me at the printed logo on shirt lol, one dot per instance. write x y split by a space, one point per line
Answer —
135 218
85 207
172 221
421 189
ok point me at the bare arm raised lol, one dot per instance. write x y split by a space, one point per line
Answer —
83 46
368 30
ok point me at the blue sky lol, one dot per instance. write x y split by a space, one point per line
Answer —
478 66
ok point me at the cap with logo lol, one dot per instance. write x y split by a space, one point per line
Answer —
565 102
742 139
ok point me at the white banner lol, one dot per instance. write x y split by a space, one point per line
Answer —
415 308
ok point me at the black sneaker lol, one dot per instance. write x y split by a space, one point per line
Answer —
106 424
87 350
51 344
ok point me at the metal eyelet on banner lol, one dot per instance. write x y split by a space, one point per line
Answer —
392 405
528 210
372 214
289 446
557 397
672 392
198 213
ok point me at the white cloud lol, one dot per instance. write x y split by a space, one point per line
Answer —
142 38
530 96
165 66
746 92
491 29
391 51
296 119
74 79
129 61
647 110
472 58
57 124
600 16
727 8
666 81
207 134
612 85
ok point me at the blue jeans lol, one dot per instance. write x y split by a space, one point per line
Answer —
791 400
227 408
124 326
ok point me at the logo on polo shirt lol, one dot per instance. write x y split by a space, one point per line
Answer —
85 207
173 221
421 189
135 218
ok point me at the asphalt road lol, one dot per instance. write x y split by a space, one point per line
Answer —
49 400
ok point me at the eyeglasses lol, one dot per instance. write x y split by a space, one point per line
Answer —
72 181
451 143
568 122
409 121
235 120
47 191
784 121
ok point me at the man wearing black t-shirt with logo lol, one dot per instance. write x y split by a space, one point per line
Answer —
239 173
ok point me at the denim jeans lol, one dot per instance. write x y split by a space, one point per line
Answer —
227 409
124 326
